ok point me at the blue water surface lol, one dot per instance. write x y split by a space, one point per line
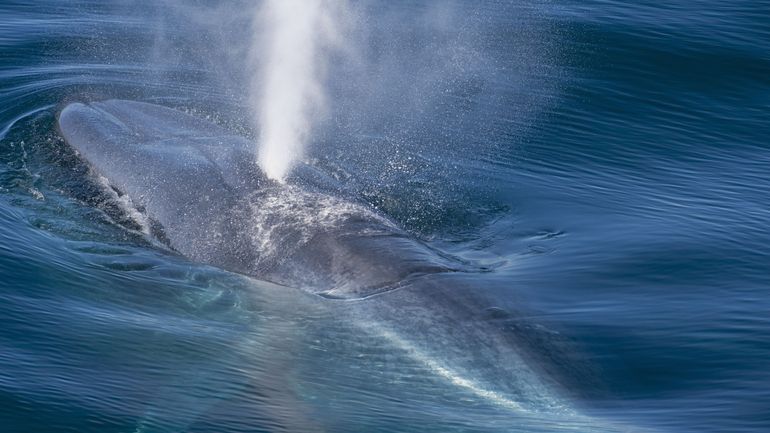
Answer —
607 161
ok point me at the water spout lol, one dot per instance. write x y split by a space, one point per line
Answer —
292 46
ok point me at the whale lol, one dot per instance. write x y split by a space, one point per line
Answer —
205 198
210 202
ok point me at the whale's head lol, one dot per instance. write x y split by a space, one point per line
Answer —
202 185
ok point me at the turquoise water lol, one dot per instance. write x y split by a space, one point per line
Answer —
607 162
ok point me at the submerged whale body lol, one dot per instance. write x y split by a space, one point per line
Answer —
209 201
202 186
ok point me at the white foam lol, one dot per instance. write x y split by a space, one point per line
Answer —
127 206
286 216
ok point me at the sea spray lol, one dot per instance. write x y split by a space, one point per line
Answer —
293 41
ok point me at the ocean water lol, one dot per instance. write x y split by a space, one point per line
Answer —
606 163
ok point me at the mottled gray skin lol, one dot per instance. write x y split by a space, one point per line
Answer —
200 183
